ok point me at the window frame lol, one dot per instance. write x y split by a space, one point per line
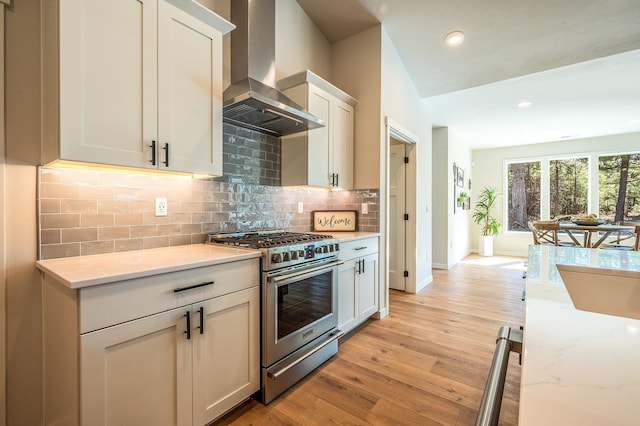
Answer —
593 184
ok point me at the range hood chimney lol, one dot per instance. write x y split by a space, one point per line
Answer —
252 101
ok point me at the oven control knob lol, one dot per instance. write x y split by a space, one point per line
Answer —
276 258
294 255
336 247
318 249
286 257
301 253
325 249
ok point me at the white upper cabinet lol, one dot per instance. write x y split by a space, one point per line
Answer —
134 83
324 156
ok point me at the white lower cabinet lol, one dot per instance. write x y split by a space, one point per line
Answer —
358 286
137 373
226 355
182 366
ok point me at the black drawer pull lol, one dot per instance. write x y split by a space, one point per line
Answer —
360 248
201 310
166 154
153 153
188 330
191 287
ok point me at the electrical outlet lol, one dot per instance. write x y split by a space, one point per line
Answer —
161 206
300 207
365 208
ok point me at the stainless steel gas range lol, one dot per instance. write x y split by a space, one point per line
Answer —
299 303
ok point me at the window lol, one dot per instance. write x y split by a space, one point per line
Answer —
619 192
568 187
556 188
524 194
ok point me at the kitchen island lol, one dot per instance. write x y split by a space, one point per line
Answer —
579 368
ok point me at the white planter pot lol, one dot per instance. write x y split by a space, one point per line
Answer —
485 245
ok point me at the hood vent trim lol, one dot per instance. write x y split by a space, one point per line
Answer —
252 101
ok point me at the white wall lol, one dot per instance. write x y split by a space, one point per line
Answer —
367 66
357 70
489 171
460 223
442 197
23 294
299 43
452 226
400 102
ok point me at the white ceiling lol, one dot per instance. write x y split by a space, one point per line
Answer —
577 61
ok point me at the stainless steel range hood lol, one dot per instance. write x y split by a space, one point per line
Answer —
252 101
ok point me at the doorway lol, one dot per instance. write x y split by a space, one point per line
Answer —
397 214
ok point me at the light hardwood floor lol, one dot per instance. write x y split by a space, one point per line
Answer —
424 364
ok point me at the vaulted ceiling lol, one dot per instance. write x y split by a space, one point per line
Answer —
576 61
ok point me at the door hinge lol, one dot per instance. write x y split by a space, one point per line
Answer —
406 160
406 274
406 216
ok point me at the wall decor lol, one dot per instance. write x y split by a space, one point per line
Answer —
460 177
455 181
334 220
467 204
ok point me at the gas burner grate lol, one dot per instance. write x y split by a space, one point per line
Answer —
265 239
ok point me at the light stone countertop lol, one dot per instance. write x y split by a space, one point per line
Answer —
349 236
84 271
579 368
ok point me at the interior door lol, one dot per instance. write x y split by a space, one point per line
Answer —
397 209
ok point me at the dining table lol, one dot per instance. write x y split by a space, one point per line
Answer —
602 232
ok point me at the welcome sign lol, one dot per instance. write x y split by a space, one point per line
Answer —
334 220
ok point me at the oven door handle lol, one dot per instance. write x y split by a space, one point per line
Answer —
333 336
305 273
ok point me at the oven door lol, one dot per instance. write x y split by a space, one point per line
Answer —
299 305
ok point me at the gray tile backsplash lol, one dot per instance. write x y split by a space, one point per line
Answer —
91 211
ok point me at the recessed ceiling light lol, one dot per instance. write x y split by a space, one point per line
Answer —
635 121
454 38
524 104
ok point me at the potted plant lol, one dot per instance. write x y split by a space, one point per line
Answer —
482 215
462 197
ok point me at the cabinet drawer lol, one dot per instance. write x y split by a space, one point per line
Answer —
105 305
358 248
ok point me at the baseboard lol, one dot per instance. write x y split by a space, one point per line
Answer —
505 253
381 313
424 283
443 265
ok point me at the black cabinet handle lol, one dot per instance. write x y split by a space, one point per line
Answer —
360 248
166 154
362 265
191 287
188 330
153 153
337 180
201 327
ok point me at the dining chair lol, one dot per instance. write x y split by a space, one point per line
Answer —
619 242
546 232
